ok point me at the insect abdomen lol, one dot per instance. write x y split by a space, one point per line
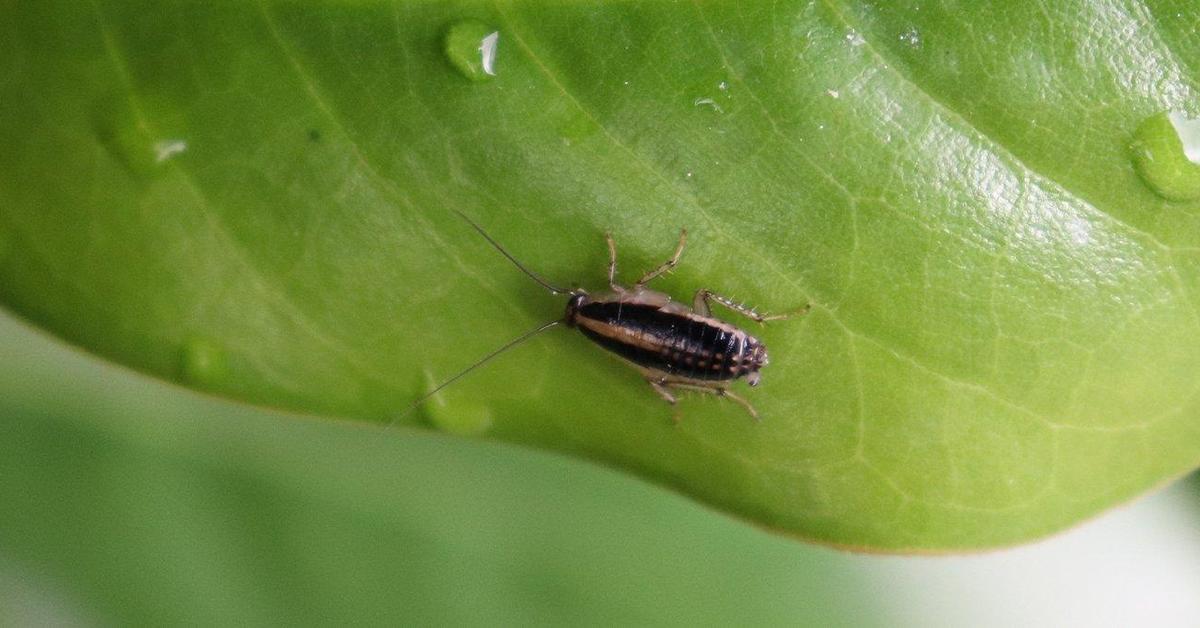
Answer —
678 344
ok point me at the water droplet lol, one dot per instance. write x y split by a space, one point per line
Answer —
708 102
460 418
456 415
1166 154
688 175
166 149
912 37
854 38
471 47
203 362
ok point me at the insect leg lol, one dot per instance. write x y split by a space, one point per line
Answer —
612 263
659 387
720 392
705 298
667 265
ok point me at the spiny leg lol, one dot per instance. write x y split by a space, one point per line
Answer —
667 265
660 388
612 263
720 392
704 298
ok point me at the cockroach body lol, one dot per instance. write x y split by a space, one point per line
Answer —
675 347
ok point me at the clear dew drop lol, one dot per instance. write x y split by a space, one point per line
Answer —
709 103
471 48
453 413
1166 155
459 418
203 362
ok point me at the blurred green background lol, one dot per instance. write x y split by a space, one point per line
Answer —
129 501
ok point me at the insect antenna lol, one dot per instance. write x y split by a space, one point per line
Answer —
532 275
508 345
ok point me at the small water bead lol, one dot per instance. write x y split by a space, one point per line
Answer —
203 362
457 414
472 47
1166 155
461 418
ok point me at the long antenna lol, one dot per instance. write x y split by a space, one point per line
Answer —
508 345
532 275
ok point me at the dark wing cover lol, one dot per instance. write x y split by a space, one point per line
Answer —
673 343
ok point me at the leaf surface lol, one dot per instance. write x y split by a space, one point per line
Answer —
257 200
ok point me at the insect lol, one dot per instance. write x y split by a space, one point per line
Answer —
674 346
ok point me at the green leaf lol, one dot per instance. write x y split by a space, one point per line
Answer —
257 199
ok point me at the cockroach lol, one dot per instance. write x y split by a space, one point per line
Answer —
675 347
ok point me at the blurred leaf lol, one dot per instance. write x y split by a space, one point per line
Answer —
129 502
256 199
